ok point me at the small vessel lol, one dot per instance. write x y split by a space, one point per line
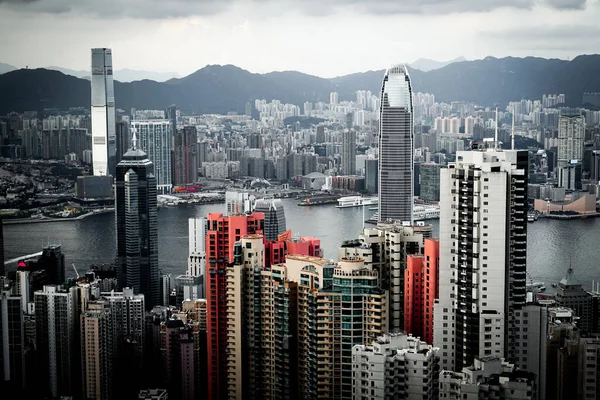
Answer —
319 200
356 201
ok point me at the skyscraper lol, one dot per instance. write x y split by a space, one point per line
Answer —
197 247
56 320
274 212
396 147
103 113
185 162
483 247
155 137
12 341
136 215
223 232
571 137
349 152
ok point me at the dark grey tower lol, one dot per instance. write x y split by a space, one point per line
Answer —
396 147
136 215
349 152
2 272
274 217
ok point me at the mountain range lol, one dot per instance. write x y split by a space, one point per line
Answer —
426 65
225 88
123 75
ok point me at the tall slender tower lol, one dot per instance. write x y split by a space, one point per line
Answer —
349 152
483 248
223 232
137 236
104 149
396 147
197 247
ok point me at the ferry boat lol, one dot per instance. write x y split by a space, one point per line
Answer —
356 201
420 213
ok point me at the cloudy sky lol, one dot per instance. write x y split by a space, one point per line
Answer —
322 37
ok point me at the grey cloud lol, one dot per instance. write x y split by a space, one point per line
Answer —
561 38
155 9
567 4
140 9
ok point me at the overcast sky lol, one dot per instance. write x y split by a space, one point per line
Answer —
321 37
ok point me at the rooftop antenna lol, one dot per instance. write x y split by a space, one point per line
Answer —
133 138
496 132
512 138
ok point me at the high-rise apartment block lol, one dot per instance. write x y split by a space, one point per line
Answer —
483 245
385 249
197 247
571 137
185 156
395 366
349 152
57 327
103 113
12 341
112 344
155 138
136 218
222 234
274 213
421 289
396 147
272 314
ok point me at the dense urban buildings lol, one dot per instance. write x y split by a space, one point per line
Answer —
103 113
155 138
136 220
483 245
222 233
274 214
251 310
396 147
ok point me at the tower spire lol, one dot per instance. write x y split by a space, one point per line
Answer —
133 138
496 131
512 136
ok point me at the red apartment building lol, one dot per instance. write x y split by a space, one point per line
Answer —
222 233
421 288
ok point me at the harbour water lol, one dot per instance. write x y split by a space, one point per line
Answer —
552 244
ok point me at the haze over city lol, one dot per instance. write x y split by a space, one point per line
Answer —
323 38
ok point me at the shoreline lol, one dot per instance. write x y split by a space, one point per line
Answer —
17 221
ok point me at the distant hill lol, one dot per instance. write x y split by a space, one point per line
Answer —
425 64
225 88
4 68
122 75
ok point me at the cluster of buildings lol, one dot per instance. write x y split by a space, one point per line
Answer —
262 314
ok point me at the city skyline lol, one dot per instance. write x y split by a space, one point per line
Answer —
193 26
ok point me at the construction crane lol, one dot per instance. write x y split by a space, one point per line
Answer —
76 273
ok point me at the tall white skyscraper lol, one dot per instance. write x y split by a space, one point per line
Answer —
396 147
155 138
571 136
197 247
333 98
483 247
104 147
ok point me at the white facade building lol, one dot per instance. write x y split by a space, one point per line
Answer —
155 138
483 244
104 144
197 247
396 366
